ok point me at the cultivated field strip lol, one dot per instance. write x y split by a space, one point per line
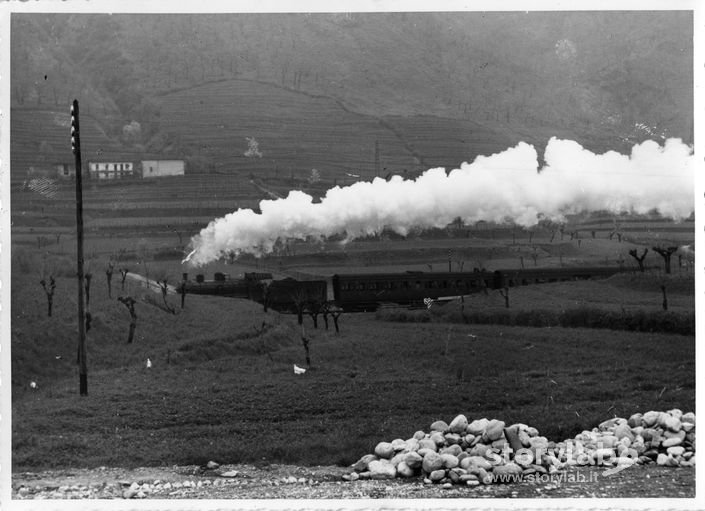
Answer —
42 137
295 131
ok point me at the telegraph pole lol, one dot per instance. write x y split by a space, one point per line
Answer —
76 147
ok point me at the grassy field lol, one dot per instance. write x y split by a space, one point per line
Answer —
222 385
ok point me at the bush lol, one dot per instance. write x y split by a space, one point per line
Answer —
582 317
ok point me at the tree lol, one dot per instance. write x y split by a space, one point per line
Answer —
313 309
664 304
130 302
123 272
182 291
314 177
109 276
299 299
335 311
252 148
505 294
305 342
181 238
666 253
49 290
535 256
266 294
639 259
162 281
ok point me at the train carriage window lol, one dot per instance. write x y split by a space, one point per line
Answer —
361 286
458 283
444 284
418 284
393 285
372 285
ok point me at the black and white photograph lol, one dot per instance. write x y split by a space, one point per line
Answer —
350 256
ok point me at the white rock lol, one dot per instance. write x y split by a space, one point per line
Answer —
494 431
419 435
382 469
437 475
405 470
676 413
384 450
672 423
432 461
440 426
676 450
650 418
413 459
438 438
412 444
458 425
477 427
449 460
398 444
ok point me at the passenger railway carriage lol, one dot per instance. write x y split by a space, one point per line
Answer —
367 291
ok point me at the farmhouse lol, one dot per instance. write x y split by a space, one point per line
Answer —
161 168
111 170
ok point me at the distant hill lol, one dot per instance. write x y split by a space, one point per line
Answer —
605 79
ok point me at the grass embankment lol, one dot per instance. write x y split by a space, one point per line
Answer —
632 302
222 386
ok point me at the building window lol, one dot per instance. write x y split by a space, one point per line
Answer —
66 170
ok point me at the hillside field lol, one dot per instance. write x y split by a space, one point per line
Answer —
222 385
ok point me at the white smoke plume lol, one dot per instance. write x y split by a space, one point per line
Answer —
504 187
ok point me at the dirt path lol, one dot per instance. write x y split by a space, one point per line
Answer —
292 482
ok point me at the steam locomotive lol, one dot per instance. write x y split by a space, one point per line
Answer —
367 291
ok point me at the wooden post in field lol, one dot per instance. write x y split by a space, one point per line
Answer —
76 147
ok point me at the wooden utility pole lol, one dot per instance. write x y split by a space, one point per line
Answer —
76 147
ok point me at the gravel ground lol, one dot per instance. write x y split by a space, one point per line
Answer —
292 482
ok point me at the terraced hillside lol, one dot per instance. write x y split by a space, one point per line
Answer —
296 132
42 137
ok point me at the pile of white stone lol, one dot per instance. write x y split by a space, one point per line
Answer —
487 451
666 438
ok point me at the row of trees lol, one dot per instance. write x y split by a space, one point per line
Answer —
48 283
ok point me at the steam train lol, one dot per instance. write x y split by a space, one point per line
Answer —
368 291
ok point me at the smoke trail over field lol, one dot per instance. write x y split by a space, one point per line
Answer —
504 187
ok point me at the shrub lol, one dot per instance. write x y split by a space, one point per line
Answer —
581 317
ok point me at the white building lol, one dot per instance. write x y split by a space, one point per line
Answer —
111 170
161 168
